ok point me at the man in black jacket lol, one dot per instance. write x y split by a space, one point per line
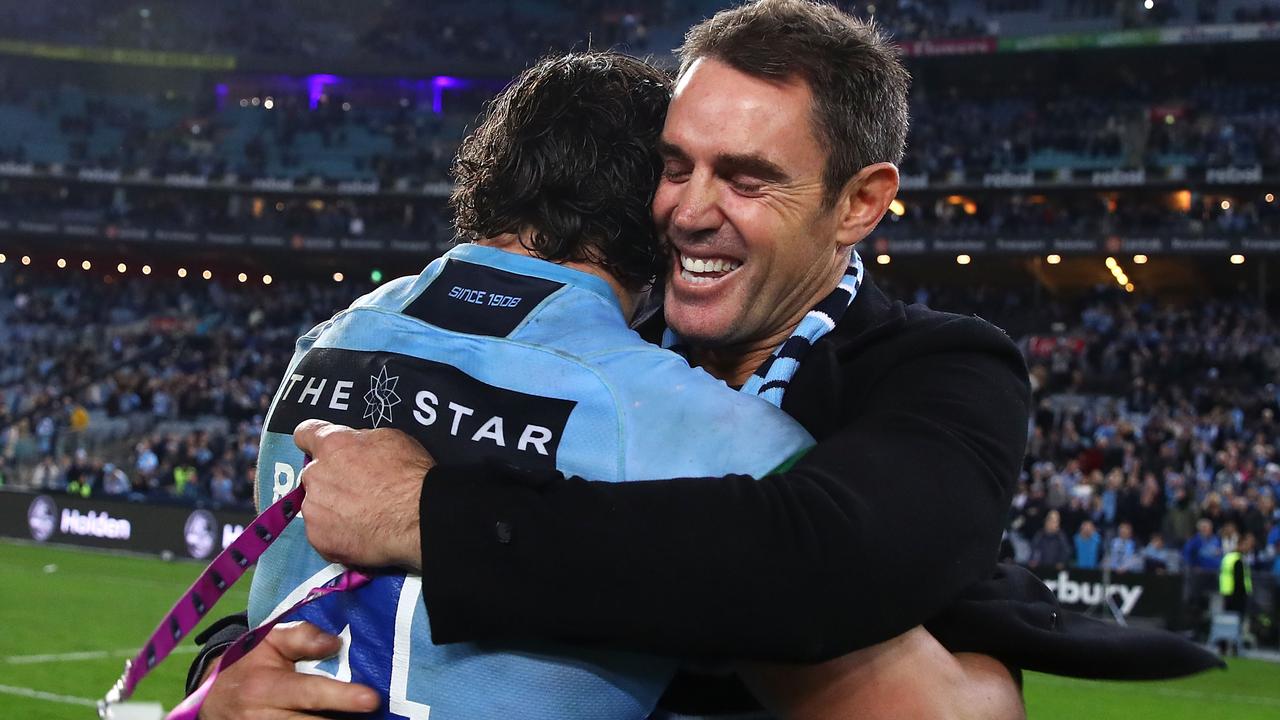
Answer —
921 416
779 149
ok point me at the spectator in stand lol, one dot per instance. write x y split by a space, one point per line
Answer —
1049 548
1229 537
1122 553
114 481
1273 551
1158 559
1180 518
1088 546
1204 549
1258 512
221 487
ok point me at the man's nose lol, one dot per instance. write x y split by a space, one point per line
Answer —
698 205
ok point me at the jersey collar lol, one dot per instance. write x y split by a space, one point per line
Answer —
533 267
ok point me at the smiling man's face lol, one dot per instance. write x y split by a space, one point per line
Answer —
741 201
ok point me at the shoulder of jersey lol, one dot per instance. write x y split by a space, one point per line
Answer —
392 295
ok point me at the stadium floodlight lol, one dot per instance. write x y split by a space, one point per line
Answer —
62 262
26 259
182 272
963 259
1237 259
146 269
86 265
1139 259
206 275
243 277
1225 205
883 259
266 279
1112 264
338 277
1054 259
2 258
121 267
1270 197
1149 4
1128 287
897 208
376 276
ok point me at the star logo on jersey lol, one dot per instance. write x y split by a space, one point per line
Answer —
381 397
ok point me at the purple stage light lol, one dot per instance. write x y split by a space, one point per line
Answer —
438 85
316 85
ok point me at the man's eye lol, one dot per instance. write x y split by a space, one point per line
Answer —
675 174
747 187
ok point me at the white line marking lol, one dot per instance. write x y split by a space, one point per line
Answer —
1131 687
50 697
87 655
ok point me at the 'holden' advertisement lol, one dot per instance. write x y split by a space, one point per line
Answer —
113 524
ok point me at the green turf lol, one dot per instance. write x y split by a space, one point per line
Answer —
56 600
1247 690
97 602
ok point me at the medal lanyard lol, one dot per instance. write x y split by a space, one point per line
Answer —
228 567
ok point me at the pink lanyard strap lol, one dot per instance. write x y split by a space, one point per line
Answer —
228 567
189 709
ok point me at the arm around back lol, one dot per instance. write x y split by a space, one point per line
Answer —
896 510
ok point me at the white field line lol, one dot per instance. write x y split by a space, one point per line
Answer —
49 697
88 655
1138 688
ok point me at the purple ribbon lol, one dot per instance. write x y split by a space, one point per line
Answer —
228 567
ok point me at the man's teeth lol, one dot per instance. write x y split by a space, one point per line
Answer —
698 265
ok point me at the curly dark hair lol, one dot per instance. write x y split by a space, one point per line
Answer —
567 152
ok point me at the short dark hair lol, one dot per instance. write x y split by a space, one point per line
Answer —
568 151
858 82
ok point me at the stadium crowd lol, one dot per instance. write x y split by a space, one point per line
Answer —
1149 417
1028 214
147 388
1084 215
404 141
1133 126
391 30
410 32
1148 420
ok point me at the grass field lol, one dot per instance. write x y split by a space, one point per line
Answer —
68 619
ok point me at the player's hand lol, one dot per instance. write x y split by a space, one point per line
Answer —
264 685
363 487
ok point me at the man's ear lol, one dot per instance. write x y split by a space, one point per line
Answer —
863 200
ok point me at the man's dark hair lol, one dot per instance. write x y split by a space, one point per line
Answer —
568 152
858 82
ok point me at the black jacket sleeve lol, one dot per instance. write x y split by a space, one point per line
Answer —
875 531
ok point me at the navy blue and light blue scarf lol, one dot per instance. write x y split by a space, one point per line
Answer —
771 379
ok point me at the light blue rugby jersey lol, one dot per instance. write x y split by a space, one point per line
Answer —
492 354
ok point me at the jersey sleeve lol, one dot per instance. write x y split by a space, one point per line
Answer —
681 422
